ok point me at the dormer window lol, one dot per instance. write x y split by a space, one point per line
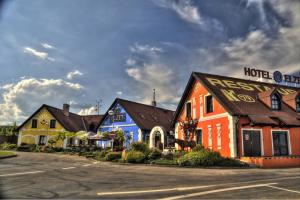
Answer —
275 100
298 104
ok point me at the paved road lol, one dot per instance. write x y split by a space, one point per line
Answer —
37 175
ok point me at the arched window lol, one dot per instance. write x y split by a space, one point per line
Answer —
276 104
298 103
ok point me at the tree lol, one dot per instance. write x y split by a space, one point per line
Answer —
188 127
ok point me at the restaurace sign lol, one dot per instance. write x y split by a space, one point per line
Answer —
278 77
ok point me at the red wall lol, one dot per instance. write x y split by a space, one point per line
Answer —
194 97
294 134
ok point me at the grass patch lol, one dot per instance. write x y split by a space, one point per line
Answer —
7 154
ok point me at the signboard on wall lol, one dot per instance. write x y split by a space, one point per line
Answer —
277 76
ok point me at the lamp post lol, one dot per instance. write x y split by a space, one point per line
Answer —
111 113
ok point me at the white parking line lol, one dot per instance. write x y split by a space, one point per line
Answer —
86 165
153 191
21 173
283 189
216 191
69 168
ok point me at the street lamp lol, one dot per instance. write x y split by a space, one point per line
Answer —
111 113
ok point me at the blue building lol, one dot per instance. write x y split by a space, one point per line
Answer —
139 122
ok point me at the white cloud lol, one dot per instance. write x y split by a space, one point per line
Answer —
119 93
88 111
38 54
71 75
19 100
137 48
130 62
258 49
47 46
185 10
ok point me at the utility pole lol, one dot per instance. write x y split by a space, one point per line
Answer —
98 106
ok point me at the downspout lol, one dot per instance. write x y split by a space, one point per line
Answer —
236 123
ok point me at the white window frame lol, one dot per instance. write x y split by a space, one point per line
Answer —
213 106
261 139
288 140
210 136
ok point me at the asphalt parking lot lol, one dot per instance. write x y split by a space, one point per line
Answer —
39 175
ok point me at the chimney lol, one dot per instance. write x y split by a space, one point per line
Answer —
153 103
66 109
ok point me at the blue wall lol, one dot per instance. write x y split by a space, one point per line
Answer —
127 125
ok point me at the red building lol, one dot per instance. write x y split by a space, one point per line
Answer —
254 121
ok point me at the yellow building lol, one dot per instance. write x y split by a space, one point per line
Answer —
47 122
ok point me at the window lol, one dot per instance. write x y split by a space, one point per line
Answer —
34 123
209 104
199 136
188 109
42 139
280 143
52 123
276 105
298 104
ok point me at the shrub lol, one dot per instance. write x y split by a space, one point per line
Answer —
198 147
164 162
154 154
100 155
140 146
135 157
200 158
28 148
113 156
178 154
8 146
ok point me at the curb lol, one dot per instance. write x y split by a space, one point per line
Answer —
10 156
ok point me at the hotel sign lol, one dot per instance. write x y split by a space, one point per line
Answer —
277 76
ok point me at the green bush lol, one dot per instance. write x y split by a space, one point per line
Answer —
154 154
8 146
140 146
198 147
28 148
164 162
178 154
113 156
200 158
135 157
100 155
230 162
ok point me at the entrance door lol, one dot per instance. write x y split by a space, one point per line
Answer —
251 143
198 136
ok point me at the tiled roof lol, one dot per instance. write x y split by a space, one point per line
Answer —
145 116
240 97
73 122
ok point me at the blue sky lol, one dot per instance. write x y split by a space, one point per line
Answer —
78 51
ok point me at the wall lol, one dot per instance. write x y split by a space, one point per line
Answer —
219 117
266 134
31 135
128 125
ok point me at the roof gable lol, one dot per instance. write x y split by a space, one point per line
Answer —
145 116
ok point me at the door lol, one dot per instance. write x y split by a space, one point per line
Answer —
251 143
198 136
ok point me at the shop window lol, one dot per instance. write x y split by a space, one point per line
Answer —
188 109
52 123
34 123
199 136
42 139
280 143
298 104
209 104
276 104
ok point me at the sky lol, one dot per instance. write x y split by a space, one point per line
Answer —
80 51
